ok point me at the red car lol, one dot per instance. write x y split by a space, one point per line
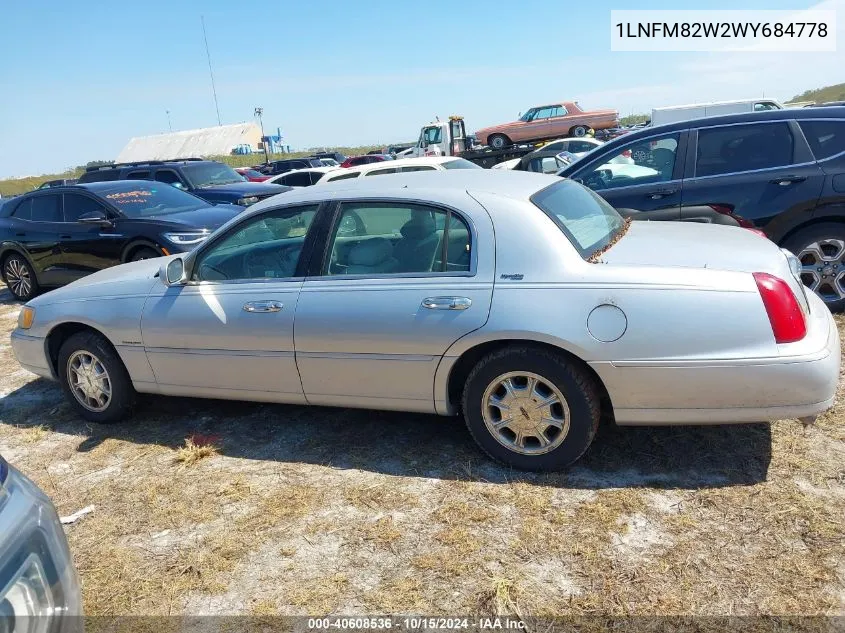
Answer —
252 175
353 161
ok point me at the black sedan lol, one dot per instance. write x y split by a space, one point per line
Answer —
51 237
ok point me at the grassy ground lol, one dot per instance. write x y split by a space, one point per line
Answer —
208 507
11 187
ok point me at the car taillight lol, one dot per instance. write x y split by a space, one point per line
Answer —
785 315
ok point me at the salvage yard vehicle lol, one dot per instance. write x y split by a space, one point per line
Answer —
565 118
366 159
210 180
39 586
303 177
252 175
400 165
522 301
781 171
49 238
673 114
285 165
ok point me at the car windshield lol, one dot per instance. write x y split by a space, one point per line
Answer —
590 223
460 163
211 174
143 199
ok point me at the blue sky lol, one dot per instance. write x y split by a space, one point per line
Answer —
79 79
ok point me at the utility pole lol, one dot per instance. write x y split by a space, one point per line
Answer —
210 71
258 113
168 120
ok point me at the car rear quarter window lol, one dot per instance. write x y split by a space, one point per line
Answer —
737 148
46 209
826 138
351 174
381 172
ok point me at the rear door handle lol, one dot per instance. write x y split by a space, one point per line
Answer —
657 195
447 303
785 181
263 306
65 237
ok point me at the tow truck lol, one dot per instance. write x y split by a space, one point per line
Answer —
449 138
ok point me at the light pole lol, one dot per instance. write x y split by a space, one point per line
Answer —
168 120
258 113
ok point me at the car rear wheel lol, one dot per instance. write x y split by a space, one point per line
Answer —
498 141
821 250
144 253
531 408
94 378
20 278
578 130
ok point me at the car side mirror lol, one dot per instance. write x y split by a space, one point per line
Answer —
173 273
97 218
179 185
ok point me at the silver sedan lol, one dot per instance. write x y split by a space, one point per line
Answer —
521 301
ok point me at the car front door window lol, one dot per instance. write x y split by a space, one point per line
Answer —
264 247
642 162
737 148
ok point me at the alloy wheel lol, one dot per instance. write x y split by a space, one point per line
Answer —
823 268
89 381
525 413
18 277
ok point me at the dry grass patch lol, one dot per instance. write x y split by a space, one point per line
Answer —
194 451
382 533
378 497
320 596
35 433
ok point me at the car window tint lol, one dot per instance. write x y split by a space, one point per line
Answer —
637 163
316 176
826 138
46 209
737 148
167 176
557 146
296 179
76 205
579 146
417 168
24 210
372 238
379 172
140 174
264 247
351 174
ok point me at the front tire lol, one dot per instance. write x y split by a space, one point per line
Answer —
94 379
821 249
530 408
144 253
498 141
20 277
579 131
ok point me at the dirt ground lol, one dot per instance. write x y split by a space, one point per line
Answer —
295 510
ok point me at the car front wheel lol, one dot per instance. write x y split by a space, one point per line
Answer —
20 278
94 378
531 408
499 141
821 250
579 131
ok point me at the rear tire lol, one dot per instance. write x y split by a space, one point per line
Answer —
144 253
523 431
94 379
499 141
821 249
20 277
579 131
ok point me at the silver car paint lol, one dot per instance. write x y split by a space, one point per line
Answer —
697 346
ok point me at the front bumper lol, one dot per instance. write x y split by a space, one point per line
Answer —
793 385
30 352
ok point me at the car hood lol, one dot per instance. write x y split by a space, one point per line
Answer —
209 217
696 245
247 188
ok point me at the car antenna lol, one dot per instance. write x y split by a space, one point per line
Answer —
437 118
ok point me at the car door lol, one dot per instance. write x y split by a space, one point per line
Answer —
228 332
41 237
644 175
87 248
396 285
760 173
537 128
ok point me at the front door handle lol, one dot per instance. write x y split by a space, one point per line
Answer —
785 181
447 303
263 306
657 195
65 237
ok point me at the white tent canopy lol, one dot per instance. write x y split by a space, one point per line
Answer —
209 141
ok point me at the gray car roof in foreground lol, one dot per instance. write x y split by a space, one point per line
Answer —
433 186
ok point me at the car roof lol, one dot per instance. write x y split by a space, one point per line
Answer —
405 162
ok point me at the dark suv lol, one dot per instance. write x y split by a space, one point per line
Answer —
283 166
212 181
782 171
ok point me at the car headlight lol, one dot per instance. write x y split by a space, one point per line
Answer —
187 239
26 317
27 599
794 264
245 202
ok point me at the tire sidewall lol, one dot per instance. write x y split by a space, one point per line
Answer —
123 393
804 237
583 408
33 288
498 138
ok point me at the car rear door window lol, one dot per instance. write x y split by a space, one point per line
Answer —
375 238
296 179
167 176
737 148
826 138
46 209
76 205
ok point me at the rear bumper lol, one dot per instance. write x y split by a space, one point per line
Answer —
732 391
29 351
